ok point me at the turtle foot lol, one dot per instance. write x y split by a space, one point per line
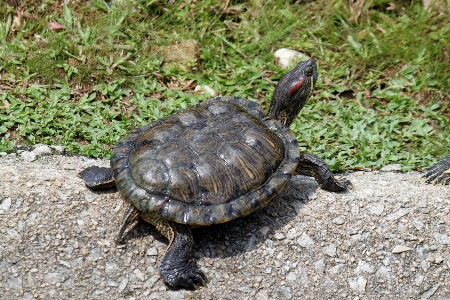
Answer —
187 276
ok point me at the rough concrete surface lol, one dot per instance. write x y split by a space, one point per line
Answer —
387 239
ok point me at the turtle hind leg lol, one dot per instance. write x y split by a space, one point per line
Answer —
131 218
311 165
178 268
97 178
438 173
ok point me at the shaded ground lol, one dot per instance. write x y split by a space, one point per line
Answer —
56 241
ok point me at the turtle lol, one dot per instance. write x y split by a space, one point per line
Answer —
208 164
439 172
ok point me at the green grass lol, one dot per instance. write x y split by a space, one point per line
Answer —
382 95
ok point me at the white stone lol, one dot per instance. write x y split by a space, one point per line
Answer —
206 89
305 240
442 238
398 214
122 285
391 168
329 250
279 236
400 249
376 208
287 58
358 284
364 267
41 150
139 274
5 205
291 276
152 251
28 156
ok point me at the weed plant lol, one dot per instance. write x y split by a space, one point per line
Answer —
382 95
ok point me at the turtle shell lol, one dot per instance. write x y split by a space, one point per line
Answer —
207 164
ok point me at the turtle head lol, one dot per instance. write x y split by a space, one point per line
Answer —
292 92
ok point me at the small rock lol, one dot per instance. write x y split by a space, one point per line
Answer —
305 240
28 156
251 243
435 258
358 284
41 150
279 236
291 234
442 238
384 272
417 223
15 283
319 266
264 230
418 280
89 197
426 265
285 291
336 270
206 89
139 274
32 217
54 278
287 58
12 233
398 214
427 294
5 205
291 276
364 267
392 168
329 250
122 285
59 149
400 249
152 251
376 208
338 221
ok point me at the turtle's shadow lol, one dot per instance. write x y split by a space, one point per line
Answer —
244 234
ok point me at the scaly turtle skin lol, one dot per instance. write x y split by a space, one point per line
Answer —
439 173
211 163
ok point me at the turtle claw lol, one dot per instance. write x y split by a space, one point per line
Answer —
188 277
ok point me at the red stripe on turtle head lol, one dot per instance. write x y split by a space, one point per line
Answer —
296 86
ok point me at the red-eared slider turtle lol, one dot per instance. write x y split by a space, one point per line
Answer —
439 172
211 163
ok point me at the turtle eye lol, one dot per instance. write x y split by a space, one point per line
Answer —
309 71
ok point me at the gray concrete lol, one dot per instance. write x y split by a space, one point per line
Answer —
388 239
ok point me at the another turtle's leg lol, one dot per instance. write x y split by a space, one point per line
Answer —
130 217
311 165
178 268
438 173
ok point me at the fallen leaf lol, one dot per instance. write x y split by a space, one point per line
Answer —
55 26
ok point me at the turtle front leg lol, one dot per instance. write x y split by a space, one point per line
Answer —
311 165
438 173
